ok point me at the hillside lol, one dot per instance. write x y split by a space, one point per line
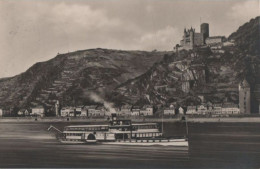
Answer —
140 77
247 36
71 77
184 78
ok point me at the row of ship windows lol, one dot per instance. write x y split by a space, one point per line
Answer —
87 129
145 127
146 135
74 134
106 128
133 135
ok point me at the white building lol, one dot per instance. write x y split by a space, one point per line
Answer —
100 111
210 108
228 43
78 110
92 110
38 111
181 111
135 111
84 111
217 108
67 111
230 108
191 110
125 110
169 111
214 40
23 112
202 109
147 110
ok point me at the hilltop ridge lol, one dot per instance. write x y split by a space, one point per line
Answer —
67 77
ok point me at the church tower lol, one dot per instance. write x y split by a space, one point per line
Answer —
244 97
57 108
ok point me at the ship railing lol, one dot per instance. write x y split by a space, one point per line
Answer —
52 127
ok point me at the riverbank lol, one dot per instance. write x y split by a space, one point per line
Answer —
141 119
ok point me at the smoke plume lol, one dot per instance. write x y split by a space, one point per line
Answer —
109 106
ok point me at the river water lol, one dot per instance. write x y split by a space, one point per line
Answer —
212 145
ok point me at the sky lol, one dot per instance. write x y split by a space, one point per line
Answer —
36 30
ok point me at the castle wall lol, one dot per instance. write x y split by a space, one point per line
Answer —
198 39
214 40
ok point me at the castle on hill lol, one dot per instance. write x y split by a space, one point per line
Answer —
193 39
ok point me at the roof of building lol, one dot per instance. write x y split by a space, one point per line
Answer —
148 106
136 107
100 107
23 110
169 108
91 107
38 107
64 108
191 107
244 83
81 106
229 105
217 105
209 103
126 107
215 37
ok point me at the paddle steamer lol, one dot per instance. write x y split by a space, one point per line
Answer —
119 132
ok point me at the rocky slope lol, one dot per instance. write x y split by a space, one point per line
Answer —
70 77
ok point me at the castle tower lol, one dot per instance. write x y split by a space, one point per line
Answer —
244 97
204 29
57 108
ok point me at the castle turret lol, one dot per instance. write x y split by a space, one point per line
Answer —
244 97
192 32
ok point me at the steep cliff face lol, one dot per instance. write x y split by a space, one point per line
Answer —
69 77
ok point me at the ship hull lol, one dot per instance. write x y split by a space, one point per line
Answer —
170 142
72 142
